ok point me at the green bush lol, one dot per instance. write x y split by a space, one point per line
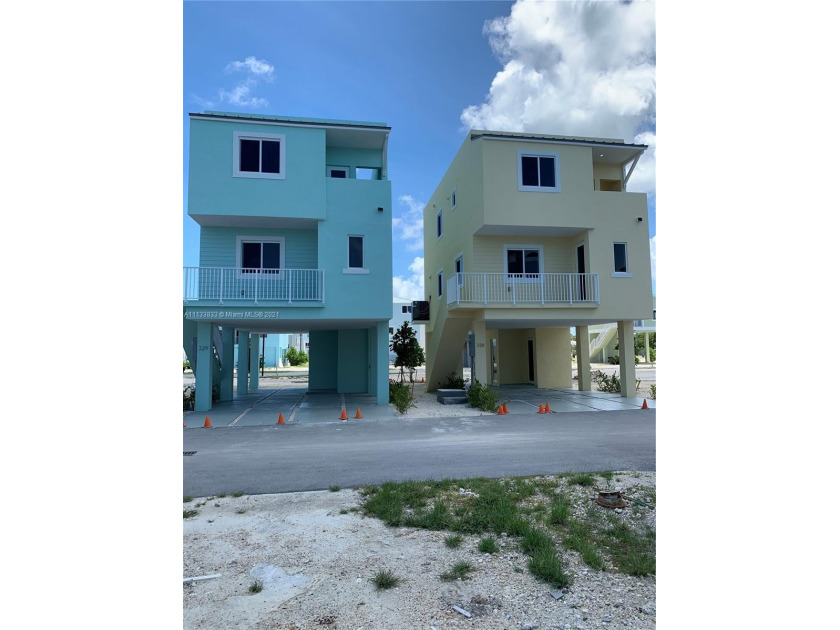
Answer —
453 381
610 383
653 391
399 394
296 357
482 397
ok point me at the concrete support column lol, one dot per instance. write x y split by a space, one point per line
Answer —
553 357
647 347
242 364
254 381
481 363
627 359
583 366
379 362
226 386
204 368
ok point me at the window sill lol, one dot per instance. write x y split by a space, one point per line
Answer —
620 274
356 270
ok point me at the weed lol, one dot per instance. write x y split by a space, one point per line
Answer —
545 564
535 539
256 586
559 512
401 397
632 553
238 494
190 513
385 579
335 488
482 397
453 381
488 545
343 512
240 511
579 539
606 474
453 542
582 479
187 499
653 391
459 571
221 496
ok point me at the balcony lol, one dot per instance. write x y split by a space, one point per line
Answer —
551 289
270 287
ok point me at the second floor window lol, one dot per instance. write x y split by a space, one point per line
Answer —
261 257
523 263
356 252
440 224
259 155
620 257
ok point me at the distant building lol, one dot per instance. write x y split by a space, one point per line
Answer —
402 314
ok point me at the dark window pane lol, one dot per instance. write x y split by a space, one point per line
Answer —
532 261
249 155
270 156
529 171
251 257
514 261
356 252
439 224
620 253
440 284
547 172
337 173
271 256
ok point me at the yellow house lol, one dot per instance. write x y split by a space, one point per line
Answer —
526 236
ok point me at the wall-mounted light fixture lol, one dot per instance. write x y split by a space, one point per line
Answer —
381 209
639 219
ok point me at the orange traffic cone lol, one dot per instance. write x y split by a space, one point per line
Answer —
501 411
358 413
343 415
281 419
547 408
423 379
185 425
207 424
504 405
542 409
644 404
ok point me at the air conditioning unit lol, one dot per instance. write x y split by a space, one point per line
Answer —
419 311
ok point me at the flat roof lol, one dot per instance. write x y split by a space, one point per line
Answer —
509 135
315 122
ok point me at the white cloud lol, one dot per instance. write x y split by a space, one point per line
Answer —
410 288
409 226
241 95
256 71
573 68
253 67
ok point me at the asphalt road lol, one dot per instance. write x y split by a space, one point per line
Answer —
293 458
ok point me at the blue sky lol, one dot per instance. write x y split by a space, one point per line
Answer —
431 71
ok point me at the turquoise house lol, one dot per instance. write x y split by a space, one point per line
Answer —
295 237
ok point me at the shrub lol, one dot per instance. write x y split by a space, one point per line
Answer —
653 391
189 397
453 381
482 397
296 357
399 395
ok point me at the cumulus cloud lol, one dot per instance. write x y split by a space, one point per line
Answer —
574 68
408 227
410 288
255 71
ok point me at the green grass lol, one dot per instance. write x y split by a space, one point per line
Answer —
530 512
335 488
454 541
459 571
385 579
256 587
187 499
237 494
190 513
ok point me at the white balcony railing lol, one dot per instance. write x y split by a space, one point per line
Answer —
235 284
518 288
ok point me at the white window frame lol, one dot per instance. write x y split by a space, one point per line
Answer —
510 246
459 275
452 198
440 283
363 268
538 154
241 239
344 169
244 135
621 274
439 224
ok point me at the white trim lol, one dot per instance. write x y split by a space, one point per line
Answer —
361 269
243 135
344 169
538 154
621 274
242 238
459 280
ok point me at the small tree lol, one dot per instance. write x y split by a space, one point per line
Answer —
409 353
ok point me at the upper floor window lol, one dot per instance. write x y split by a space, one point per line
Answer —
620 268
338 172
355 254
440 224
523 262
452 199
260 255
259 155
539 171
406 308
440 283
